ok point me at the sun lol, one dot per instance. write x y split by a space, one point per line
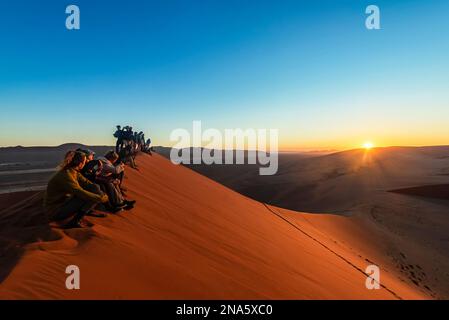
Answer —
368 145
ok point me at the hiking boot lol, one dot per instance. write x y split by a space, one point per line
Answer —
86 223
96 214
73 225
115 210
130 202
128 207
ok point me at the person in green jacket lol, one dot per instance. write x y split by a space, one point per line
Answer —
69 195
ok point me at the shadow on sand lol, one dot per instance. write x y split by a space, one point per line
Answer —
22 223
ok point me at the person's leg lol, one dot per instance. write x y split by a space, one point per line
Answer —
88 206
115 199
128 204
95 188
118 194
105 188
69 209
75 222
120 176
74 209
75 205
132 163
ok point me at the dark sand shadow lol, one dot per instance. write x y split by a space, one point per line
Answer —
22 223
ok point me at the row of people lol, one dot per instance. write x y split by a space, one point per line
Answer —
127 136
129 143
84 182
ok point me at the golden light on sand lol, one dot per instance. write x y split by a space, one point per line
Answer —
368 145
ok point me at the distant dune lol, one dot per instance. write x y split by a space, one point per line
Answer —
438 191
190 237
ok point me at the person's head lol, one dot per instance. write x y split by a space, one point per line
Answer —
112 156
67 159
73 160
90 155
119 127
97 167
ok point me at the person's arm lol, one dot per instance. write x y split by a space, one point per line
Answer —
108 169
72 186
119 168
83 182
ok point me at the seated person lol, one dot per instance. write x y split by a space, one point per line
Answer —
110 179
148 148
126 155
92 170
69 195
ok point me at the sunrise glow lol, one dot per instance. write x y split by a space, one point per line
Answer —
368 145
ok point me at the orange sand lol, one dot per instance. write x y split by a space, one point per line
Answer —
190 238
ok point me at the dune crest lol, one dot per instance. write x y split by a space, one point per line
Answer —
190 238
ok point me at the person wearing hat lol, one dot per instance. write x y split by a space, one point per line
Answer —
90 155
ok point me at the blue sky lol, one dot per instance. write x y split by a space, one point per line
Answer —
308 68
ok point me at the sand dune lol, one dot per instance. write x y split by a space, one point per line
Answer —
413 222
437 191
190 237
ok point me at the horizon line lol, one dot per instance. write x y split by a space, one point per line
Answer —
285 150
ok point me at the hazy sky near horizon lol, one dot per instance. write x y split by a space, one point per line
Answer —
308 68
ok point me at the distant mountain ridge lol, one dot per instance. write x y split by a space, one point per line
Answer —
65 146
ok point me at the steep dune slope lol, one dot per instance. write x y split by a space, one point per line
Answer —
188 237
